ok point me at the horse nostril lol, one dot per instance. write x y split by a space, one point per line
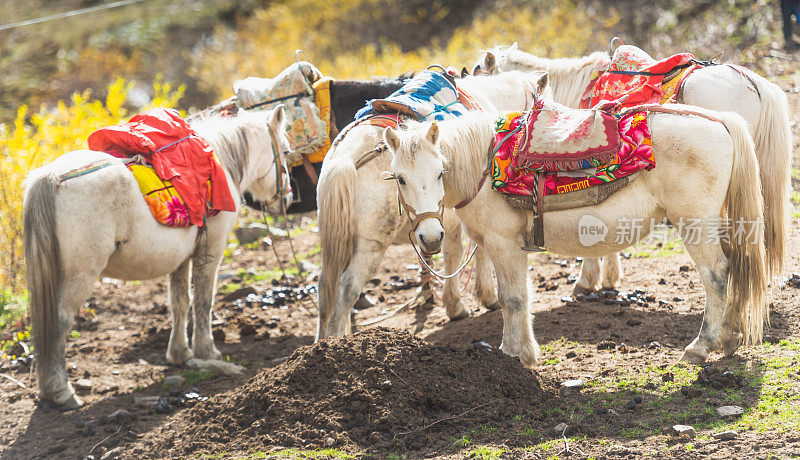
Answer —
422 239
441 235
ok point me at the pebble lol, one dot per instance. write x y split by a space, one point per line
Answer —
653 346
725 435
174 380
119 415
571 386
606 345
482 346
571 354
329 441
684 430
730 411
84 385
145 401
560 428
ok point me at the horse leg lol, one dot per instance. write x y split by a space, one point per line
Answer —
512 282
452 249
589 276
53 381
204 275
351 282
716 334
484 280
178 351
612 271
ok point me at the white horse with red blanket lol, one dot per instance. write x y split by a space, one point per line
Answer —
706 169
718 87
85 217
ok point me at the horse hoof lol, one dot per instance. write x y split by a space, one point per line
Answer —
67 401
581 290
732 344
457 312
693 357
494 306
179 357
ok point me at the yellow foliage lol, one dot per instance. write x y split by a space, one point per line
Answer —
264 43
33 141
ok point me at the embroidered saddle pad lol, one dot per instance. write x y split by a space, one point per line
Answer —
430 95
633 73
513 170
163 200
307 124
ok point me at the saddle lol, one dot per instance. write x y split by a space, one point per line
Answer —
305 96
641 79
556 158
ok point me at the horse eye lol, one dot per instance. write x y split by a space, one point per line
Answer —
400 180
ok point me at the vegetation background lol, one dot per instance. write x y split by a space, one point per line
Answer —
64 78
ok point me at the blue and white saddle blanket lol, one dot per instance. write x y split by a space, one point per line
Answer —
430 95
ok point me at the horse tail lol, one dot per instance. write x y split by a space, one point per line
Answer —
337 232
773 142
43 264
747 280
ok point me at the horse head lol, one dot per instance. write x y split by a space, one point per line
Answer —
270 189
417 167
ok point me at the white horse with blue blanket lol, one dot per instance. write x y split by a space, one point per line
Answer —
98 224
705 169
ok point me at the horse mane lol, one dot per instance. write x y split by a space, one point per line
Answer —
230 137
348 96
463 145
569 77
510 85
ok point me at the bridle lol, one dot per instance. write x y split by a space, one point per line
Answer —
417 218
282 187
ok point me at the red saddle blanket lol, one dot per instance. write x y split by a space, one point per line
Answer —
176 153
588 161
633 73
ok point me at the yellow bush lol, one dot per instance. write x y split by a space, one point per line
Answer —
264 43
32 141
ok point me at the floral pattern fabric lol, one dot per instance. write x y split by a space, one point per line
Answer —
164 202
512 174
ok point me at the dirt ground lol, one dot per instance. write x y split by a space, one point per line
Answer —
625 355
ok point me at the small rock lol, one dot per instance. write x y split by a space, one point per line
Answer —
606 345
633 322
247 330
571 354
631 405
684 431
683 268
667 377
654 346
240 293
771 339
725 435
637 399
112 454
164 407
613 412
662 281
482 346
730 411
560 428
83 385
146 402
251 233
691 392
119 416
329 441
174 380
571 386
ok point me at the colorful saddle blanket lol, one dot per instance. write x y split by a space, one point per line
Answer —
633 73
167 143
517 161
430 95
307 121
163 200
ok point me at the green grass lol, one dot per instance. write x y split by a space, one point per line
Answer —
12 308
193 376
486 452
297 453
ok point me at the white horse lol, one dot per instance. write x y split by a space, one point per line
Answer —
718 87
704 171
98 224
358 216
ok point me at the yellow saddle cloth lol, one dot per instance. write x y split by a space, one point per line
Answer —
163 200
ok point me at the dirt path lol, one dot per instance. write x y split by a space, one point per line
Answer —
625 355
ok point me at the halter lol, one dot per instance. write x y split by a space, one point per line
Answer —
281 188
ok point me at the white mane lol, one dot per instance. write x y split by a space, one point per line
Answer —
499 92
569 77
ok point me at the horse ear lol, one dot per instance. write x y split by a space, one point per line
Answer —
236 85
489 62
276 117
543 81
433 134
514 46
391 139
477 70
464 72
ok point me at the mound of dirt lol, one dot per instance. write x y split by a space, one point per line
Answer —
377 390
